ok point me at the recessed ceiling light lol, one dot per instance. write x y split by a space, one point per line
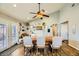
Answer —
14 5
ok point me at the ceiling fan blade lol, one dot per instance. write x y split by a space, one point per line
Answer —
33 13
39 6
34 16
46 15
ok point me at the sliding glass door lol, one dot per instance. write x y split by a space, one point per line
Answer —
14 34
3 36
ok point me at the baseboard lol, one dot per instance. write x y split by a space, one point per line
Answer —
8 48
73 46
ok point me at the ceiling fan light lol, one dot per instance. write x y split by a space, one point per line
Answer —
39 16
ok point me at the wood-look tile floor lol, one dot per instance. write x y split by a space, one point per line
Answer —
18 52
9 51
64 51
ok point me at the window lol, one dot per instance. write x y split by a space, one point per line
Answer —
14 34
3 36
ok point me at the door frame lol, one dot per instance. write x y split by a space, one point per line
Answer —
66 22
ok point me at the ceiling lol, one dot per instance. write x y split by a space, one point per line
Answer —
21 11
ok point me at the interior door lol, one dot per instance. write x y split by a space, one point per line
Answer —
65 30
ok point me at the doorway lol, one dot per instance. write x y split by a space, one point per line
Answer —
65 31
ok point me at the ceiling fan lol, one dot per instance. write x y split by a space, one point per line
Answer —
40 13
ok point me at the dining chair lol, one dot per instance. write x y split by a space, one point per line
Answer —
27 44
48 42
56 43
34 40
41 41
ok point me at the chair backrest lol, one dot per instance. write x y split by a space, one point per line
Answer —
57 42
40 39
48 38
34 37
27 40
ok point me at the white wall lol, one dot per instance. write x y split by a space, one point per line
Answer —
49 21
71 14
53 19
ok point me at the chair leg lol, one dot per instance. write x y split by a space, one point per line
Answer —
52 52
28 51
38 53
34 50
25 50
45 51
